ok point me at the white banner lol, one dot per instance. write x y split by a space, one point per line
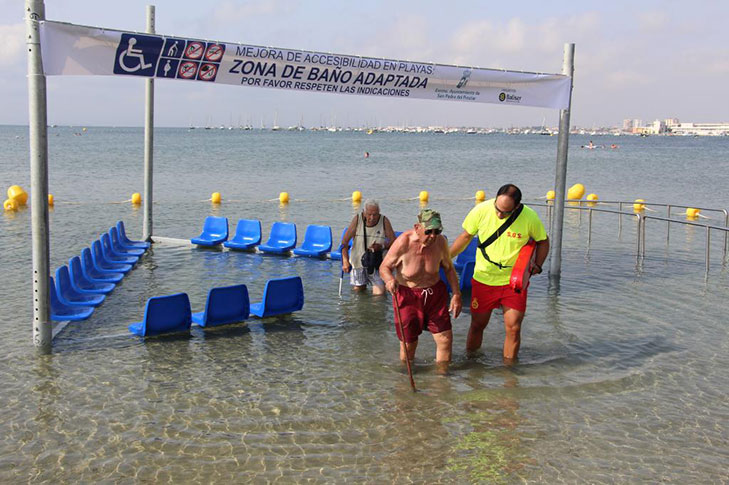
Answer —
78 50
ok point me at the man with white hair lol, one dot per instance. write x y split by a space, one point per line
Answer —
371 233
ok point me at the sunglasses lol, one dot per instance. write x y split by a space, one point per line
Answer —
428 232
505 213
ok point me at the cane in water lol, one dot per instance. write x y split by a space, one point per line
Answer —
404 341
341 278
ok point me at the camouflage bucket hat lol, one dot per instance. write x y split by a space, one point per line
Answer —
430 219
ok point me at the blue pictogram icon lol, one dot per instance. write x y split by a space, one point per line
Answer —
167 68
137 55
207 72
173 48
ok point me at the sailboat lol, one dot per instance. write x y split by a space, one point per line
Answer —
275 126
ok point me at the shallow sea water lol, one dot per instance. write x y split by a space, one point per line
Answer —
622 372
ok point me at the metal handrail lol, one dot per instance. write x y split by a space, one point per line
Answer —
641 229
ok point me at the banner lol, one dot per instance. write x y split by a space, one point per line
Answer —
69 49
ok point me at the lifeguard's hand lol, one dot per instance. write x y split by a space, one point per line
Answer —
376 247
391 286
456 305
536 269
346 267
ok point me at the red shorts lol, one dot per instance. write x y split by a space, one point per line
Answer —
485 298
422 308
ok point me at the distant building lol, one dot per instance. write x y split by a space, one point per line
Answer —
700 129
627 125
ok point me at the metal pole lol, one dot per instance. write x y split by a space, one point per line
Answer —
668 224
560 178
708 247
637 253
35 11
589 227
726 224
148 141
620 220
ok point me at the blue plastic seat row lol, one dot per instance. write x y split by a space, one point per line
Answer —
85 282
282 239
227 304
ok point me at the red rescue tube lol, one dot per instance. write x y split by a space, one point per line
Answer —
522 269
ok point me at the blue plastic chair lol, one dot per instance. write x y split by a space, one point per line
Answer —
120 248
468 254
112 256
95 275
226 304
128 242
215 231
69 296
467 274
82 284
282 239
281 295
247 235
445 280
164 314
337 253
103 265
317 242
61 312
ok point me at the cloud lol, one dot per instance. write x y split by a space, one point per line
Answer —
12 38
653 21
484 35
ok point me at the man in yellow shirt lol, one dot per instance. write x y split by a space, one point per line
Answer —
494 264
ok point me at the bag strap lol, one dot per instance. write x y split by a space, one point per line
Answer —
499 231
364 231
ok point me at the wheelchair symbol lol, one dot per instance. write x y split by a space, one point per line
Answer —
133 53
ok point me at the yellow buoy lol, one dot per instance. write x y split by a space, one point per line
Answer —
480 195
692 213
576 192
423 196
283 197
50 200
550 195
592 200
10 205
17 193
216 198
136 198
356 196
638 206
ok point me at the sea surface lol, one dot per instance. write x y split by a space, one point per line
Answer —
622 376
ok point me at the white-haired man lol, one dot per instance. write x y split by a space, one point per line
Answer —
370 232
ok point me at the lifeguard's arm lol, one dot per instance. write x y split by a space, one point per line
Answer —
392 258
450 271
348 235
542 252
460 243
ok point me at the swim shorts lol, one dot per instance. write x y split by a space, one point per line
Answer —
485 298
359 277
422 308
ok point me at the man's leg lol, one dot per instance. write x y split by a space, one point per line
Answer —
443 346
512 341
411 350
475 332
378 289
359 288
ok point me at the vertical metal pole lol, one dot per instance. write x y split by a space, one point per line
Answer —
668 224
708 247
637 252
589 227
148 141
560 178
35 11
642 236
726 224
620 219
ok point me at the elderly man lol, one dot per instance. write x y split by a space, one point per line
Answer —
494 263
422 298
371 232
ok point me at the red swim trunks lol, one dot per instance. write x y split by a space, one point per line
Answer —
485 298
422 308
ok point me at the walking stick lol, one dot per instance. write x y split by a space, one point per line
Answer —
404 342
341 278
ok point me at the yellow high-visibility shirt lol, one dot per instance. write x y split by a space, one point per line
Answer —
482 221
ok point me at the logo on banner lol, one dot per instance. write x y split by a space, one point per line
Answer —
509 98
464 79
137 55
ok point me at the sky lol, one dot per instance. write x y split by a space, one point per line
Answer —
646 60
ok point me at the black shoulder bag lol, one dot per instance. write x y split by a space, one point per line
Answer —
493 237
371 260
